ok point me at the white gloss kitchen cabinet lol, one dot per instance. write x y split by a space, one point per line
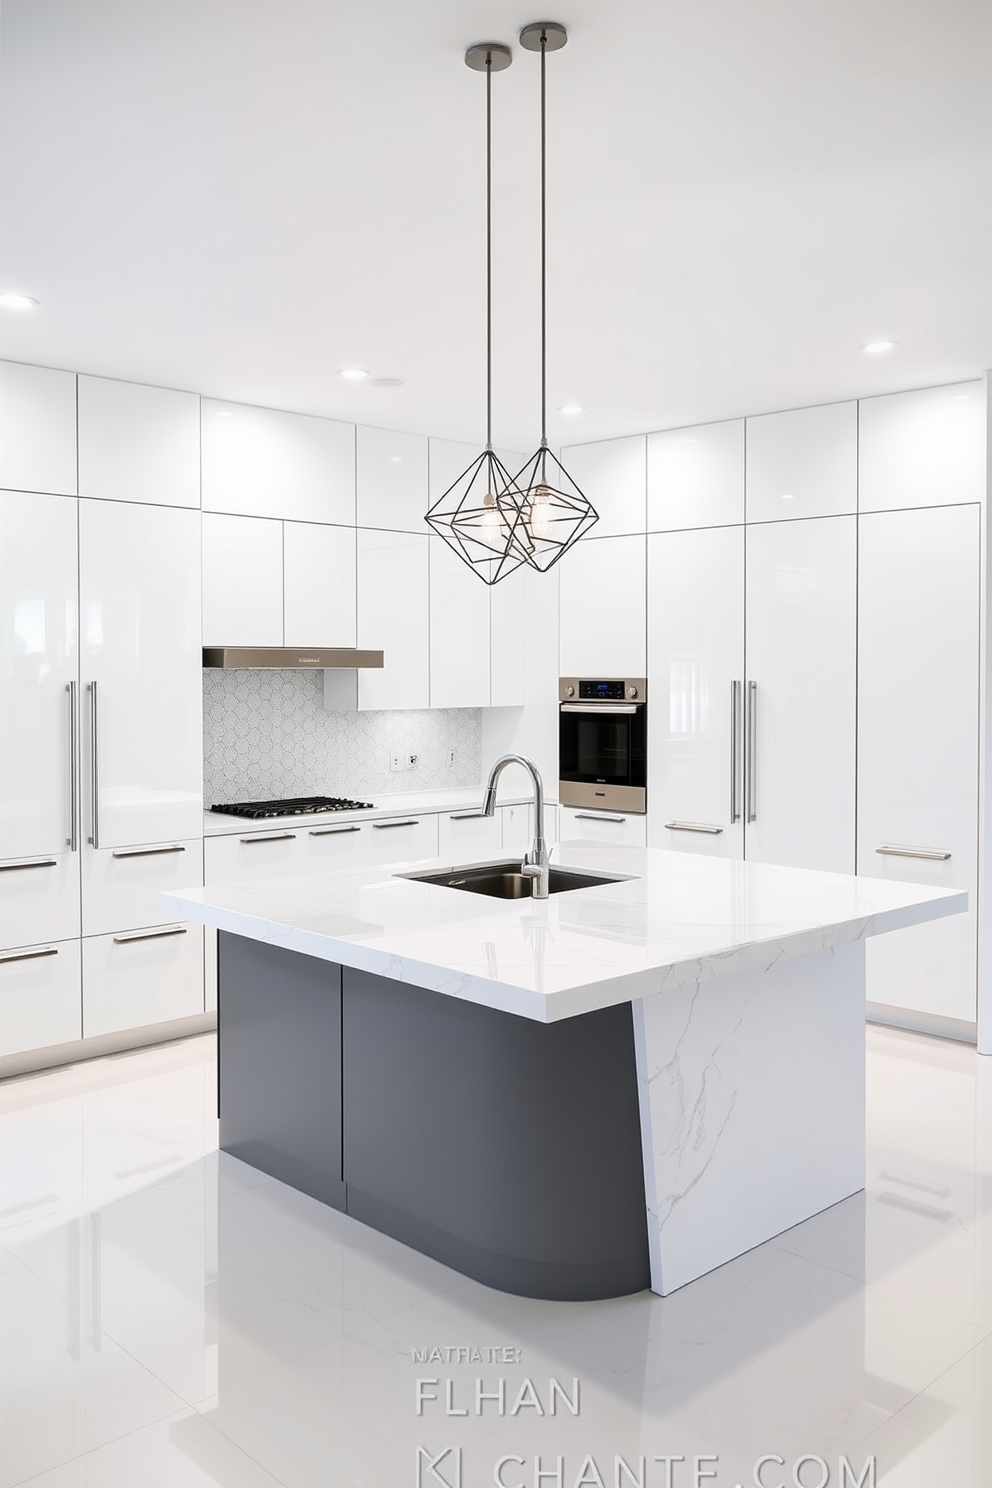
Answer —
263 462
918 737
102 681
37 429
751 750
602 608
393 617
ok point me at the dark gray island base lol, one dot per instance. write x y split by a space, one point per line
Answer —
505 1148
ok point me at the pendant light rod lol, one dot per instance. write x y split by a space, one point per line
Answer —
489 57
544 37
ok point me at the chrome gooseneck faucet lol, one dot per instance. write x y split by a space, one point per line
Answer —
535 863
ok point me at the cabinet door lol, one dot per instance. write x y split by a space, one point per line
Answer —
40 659
459 632
391 480
695 691
253 855
464 836
402 838
261 462
319 585
40 1000
613 476
523 646
802 463
37 429
140 617
696 477
924 448
141 977
39 899
626 829
138 443
602 608
800 587
242 581
918 641
393 607
121 886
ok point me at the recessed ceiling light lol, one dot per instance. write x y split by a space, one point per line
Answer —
225 412
388 381
959 397
571 410
18 302
396 459
874 348
786 495
353 374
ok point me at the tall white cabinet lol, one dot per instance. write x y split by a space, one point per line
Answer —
918 743
101 745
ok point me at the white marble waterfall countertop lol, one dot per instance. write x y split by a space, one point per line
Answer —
680 919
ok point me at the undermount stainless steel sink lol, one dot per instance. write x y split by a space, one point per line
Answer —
505 881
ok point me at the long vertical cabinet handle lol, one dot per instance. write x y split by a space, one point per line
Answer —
735 728
94 836
72 841
752 744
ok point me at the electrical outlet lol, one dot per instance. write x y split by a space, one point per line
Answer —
397 761
412 761
451 756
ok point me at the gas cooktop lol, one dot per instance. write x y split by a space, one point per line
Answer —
297 806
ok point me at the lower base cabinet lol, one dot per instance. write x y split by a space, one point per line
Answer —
40 1002
624 828
140 977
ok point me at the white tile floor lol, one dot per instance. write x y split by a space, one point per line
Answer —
173 1318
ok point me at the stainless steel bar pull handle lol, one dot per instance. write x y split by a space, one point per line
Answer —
932 854
72 841
588 816
31 863
273 837
693 827
382 826
735 730
150 935
752 748
331 831
35 955
94 836
467 816
148 852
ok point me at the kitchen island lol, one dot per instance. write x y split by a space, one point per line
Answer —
617 1087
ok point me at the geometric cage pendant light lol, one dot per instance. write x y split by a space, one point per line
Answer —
481 515
555 511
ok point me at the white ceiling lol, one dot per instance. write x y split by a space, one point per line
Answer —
241 197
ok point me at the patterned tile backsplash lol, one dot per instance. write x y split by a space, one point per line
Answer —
267 735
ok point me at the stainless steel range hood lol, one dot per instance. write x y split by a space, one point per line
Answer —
289 656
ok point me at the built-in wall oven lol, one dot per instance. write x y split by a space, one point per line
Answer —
602 742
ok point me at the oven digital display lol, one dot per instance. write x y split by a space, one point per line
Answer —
604 691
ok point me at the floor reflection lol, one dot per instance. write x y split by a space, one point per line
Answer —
171 1316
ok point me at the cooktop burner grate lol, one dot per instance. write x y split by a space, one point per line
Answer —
297 806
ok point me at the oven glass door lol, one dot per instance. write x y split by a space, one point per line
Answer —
602 745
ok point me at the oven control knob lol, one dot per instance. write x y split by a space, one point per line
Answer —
631 692
569 691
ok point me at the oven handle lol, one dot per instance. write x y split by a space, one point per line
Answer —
597 708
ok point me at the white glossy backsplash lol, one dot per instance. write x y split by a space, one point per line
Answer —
266 735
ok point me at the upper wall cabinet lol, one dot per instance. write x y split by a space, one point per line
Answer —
242 581
696 477
612 475
803 463
602 608
258 462
319 599
393 609
923 448
138 443
392 480
459 632
37 429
